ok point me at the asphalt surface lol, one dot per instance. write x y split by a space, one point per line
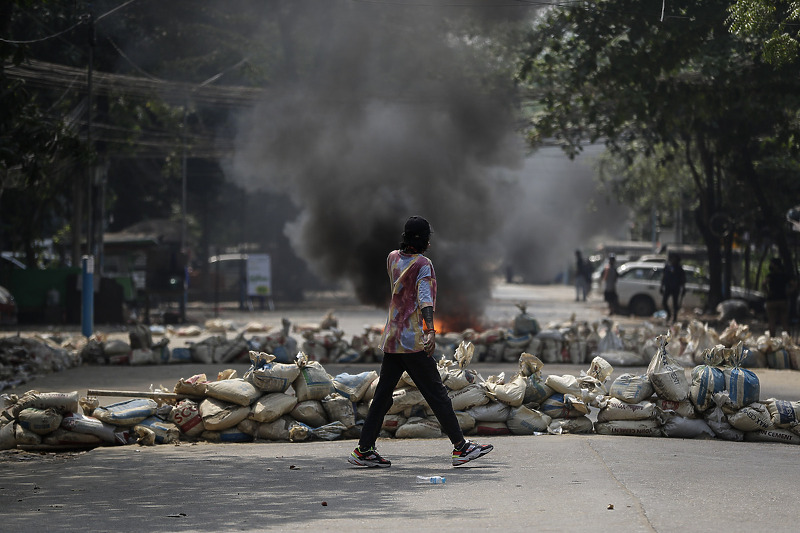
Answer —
544 483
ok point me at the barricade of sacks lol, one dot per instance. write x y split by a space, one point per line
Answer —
23 358
300 401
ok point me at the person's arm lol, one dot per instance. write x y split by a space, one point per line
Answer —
429 335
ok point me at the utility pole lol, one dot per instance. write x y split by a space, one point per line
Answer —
90 167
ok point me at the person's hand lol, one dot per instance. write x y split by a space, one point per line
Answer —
429 341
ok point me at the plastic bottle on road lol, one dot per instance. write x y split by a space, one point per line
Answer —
431 479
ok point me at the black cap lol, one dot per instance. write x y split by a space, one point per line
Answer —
417 228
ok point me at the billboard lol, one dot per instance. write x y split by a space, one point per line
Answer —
259 275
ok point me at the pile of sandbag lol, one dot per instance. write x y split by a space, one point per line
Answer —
24 358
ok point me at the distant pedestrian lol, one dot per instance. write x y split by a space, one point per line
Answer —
778 284
673 286
582 277
408 342
610 276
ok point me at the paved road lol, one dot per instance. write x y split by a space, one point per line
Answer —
545 483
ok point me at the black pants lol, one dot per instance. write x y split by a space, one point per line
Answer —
675 296
425 374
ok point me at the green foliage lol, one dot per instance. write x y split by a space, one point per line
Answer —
774 23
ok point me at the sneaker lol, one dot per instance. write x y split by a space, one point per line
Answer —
368 458
470 451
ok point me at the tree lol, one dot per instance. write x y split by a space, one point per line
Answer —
667 86
775 22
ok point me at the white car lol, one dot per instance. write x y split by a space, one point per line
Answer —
639 282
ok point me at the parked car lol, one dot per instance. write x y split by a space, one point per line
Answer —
8 307
639 282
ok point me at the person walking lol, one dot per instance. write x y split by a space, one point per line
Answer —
610 276
673 285
408 342
582 277
777 285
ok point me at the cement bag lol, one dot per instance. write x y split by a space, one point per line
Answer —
63 402
218 415
683 408
511 393
524 421
405 397
718 422
566 384
370 394
166 432
581 424
354 386
193 386
63 437
236 391
772 435
535 390
26 437
707 380
392 422
784 414
277 429
419 428
186 415
631 389
529 364
754 417
457 377
629 428
40 421
86 424
339 408
267 375
127 413
563 406
310 412
465 421
491 428
742 384
233 434
8 436
667 376
686 428
600 369
616 409
272 406
468 397
313 383
779 359
490 412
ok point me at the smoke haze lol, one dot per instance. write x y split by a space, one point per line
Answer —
401 115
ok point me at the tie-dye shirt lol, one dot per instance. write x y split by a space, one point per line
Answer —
413 287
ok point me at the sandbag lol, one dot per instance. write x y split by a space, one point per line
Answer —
742 384
577 425
753 417
468 397
631 388
525 421
218 415
419 428
272 406
667 376
600 369
63 402
511 393
718 422
465 421
236 391
563 406
566 384
339 408
26 437
166 432
683 408
456 377
193 386
40 421
535 390
276 430
783 413
630 428
392 422
616 409
310 412
186 415
491 428
354 386
92 426
233 434
330 431
405 397
490 412
8 437
269 376
707 380
686 428
63 437
126 413
313 383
